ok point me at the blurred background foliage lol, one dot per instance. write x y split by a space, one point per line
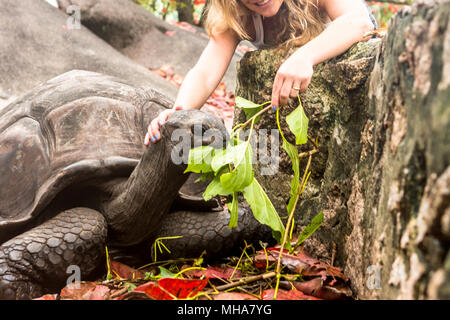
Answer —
384 10
190 10
175 10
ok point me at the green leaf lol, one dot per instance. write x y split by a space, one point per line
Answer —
245 104
130 285
316 222
200 159
215 188
263 209
164 273
250 108
233 209
241 176
230 155
292 152
298 124
208 176
251 112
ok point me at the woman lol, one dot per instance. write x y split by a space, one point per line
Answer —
323 29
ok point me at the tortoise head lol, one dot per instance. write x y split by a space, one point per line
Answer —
149 192
187 129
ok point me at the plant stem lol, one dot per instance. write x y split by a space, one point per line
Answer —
246 123
247 280
167 262
291 216
308 153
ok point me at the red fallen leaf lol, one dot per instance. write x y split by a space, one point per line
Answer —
47 297
233 296
309 287
286 295
168 288
177 79
170 33
85 291
153 291
165 71
316 288
120 270
168 70
184 25
215 273
300 263
221 90
160 72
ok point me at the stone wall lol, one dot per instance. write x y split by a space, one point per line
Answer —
381 115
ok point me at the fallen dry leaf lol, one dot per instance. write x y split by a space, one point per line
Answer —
122 271
300 263
286 295
233 296
214 273
170 33
85 291
316 287
47 297
169 289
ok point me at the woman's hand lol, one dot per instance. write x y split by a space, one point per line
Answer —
294 76
153 130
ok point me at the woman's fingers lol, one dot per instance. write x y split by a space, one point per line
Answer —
154 129
155 133
295 89
147 139
285 91
305 84
277 84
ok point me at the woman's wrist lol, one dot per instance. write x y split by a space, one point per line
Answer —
304 55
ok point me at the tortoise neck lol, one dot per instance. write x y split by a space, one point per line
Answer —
147 196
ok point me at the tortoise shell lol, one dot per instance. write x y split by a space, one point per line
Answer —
76 126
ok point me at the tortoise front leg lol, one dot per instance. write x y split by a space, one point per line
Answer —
36 261
209 231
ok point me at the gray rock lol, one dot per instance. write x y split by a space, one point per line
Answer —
381 115
139 35
36 45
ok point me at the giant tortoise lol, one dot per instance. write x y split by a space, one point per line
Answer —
75 176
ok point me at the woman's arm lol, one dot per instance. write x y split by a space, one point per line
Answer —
350 21
200 81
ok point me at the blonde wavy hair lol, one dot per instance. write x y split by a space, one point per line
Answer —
300 20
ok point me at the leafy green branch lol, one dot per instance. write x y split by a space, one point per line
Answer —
231 170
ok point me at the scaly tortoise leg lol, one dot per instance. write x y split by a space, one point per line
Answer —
209 231
36 261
